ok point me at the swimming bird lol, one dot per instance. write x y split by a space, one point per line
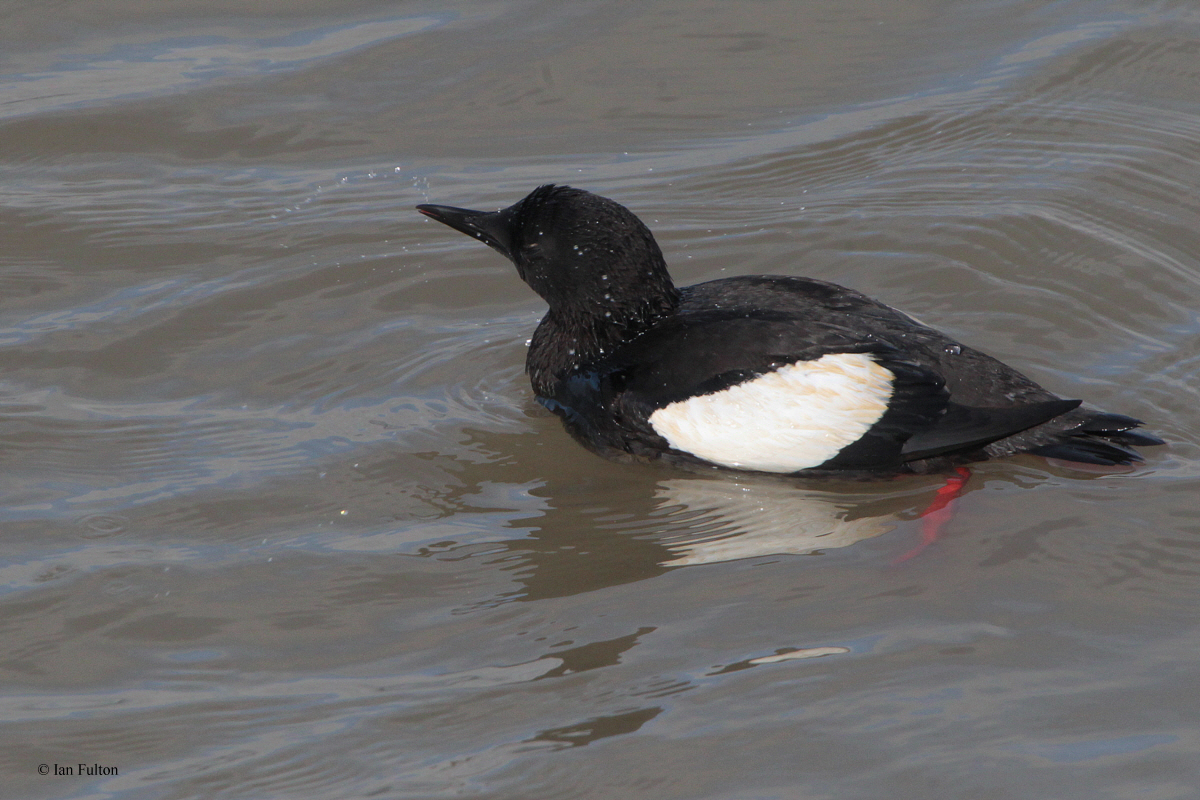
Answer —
765 373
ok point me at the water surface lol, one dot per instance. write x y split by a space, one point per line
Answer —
281 519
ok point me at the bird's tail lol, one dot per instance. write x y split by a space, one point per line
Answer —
1103 438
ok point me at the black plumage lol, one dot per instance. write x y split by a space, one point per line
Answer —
621 342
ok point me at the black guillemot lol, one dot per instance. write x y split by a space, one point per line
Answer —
765 373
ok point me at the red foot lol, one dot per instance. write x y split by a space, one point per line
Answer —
939 512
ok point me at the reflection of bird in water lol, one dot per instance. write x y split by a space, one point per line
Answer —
728 520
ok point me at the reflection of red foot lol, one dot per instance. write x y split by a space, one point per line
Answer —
939 512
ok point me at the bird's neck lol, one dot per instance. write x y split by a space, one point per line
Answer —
565 342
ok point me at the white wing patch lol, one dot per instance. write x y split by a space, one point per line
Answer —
796 417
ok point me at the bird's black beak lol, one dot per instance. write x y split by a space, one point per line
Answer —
489 227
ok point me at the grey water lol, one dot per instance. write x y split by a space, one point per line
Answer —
279 517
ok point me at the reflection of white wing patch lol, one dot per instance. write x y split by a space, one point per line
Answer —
796 417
